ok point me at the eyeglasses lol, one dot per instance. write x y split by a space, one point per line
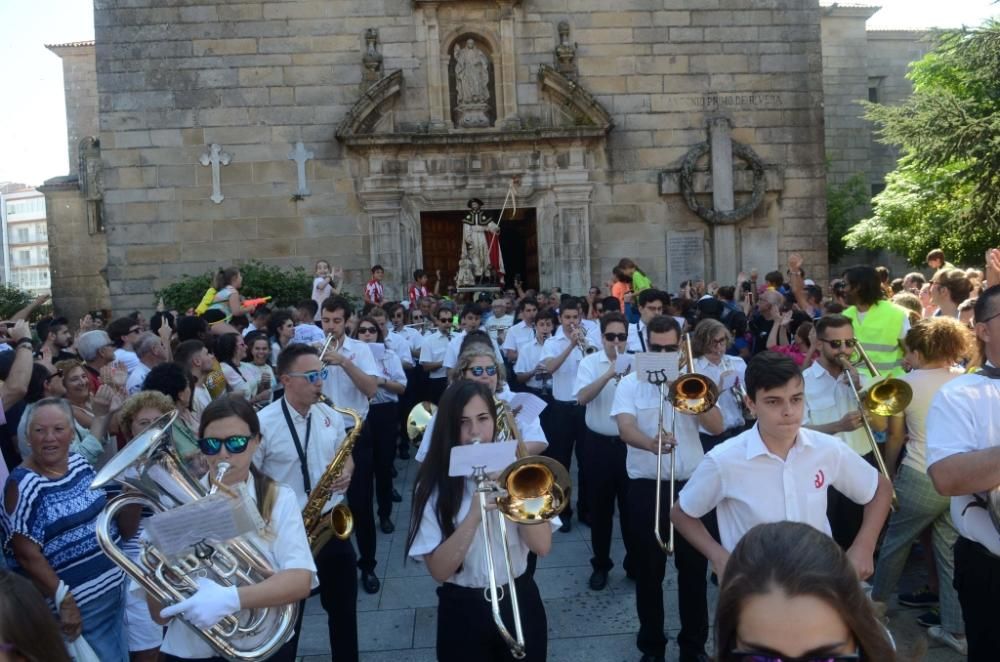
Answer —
620 337
751 656
837 344
234 444
653 347
720 341
57 373
313 376
477 371
367 329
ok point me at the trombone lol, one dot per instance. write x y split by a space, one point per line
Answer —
887 397
689 394
531 490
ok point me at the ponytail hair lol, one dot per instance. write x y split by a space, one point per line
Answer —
223 277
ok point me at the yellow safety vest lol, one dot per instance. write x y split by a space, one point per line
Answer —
879 334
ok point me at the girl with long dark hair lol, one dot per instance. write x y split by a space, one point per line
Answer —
446 532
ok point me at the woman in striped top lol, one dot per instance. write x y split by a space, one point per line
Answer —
50 533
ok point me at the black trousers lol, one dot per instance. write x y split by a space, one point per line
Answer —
977 581
845 516
338 593
382 423
607 481
710 441
465 628
435 387
565 428
360 496
649 563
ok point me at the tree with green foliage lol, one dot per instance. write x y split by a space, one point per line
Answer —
945 191
845 206
12 299
286 287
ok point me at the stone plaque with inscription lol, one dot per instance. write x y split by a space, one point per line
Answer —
685 257
758 249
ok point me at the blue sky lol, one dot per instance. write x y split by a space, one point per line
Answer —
34 117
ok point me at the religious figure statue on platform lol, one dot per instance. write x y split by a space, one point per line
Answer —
480 248
472 85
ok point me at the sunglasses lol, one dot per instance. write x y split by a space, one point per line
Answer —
750 656
653 347
313 376
444 320
367 329
620 337
837 344
57 373
235 444
477 371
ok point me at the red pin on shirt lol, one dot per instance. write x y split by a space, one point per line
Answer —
820 479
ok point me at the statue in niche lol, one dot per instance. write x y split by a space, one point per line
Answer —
371 60
481 261
565 52
472 85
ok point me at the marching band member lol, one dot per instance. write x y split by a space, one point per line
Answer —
651 303
433 350
963 459
471 318
778 470
446 532
405 323
478 363
933 347
351 381
709 342
636 410
231 432
381 426
300 437
529 367
522 332
596 382
831 408
561 356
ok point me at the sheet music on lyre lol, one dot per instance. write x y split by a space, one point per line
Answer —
656 367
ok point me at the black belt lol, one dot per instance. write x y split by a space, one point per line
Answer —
611 438
476 592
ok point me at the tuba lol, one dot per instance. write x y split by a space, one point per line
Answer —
338 521
418 419
150 465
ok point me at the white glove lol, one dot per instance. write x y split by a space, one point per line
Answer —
209 605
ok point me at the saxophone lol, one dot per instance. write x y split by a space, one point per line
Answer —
338 521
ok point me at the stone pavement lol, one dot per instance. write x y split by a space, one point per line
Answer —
398 624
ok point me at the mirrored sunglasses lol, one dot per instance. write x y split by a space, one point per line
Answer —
313 376
837 344
212 445
477 371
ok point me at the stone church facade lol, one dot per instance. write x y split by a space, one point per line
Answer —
687 135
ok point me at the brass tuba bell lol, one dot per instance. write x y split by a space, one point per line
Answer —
419 417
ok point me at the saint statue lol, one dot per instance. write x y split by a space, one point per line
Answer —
472 85
480 248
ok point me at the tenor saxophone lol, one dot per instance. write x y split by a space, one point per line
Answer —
339 521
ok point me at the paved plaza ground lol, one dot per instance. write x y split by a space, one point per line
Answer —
398 624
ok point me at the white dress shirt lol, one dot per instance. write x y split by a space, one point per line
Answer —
828 399
637 339
494 324
128 357
136 377
642 400
518 335
400 344
391 368
530 428
433 350
563 379
732 413
965 417
415 340
472 573
749 485
285 546
338 385
598 415
529 355
277 456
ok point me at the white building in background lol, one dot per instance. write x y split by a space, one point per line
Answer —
25 239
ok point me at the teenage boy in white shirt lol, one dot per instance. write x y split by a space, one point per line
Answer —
778 470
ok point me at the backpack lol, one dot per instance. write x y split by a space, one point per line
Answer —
206 300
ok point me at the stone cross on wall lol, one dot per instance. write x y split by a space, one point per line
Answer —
723 182
216 158
300 155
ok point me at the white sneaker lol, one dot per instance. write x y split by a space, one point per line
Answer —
947 638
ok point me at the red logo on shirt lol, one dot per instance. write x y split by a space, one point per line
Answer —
820 479
326 422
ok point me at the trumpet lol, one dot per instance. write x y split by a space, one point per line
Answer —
690 395
739 392
330 339
885 398
532 490
582 341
